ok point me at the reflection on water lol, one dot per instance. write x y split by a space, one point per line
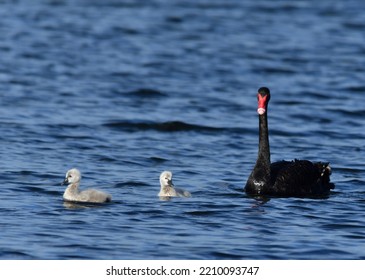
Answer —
80 205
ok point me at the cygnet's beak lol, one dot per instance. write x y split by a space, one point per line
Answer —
171 184
65 182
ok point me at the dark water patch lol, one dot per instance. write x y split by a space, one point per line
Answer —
153 213
329 254
354 25
22 82
170 126
65 136
274 70
339 135
70 126
174 19
356 236
147 93
290 133
349 113
24 173
129 4
281 7
15 255
34 190
157 159
207 5
226 256
315 95
356 88
347 226
296 60
135 162
131 184
291 102
354 169
126 30
229 193
201 213
107 159
35 56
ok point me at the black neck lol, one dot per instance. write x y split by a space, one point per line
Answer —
260 178
261 171
264 146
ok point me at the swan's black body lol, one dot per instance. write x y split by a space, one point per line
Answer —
299 178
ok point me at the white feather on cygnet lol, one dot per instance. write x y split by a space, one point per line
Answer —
72 193
167 187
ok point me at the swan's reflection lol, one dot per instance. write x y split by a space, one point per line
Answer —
81 205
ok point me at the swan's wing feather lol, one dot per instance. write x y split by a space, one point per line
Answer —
300 177
92 195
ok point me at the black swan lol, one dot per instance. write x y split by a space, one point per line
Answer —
298 178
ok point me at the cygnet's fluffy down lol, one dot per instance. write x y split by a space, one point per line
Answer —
167 187
72 193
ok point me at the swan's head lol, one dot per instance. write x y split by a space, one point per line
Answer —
263 98
166 179
72 176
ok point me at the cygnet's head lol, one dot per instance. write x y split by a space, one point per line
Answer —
72 176
166 179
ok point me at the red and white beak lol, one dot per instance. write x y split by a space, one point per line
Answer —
262 104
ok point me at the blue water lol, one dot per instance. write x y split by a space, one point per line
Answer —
123 90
